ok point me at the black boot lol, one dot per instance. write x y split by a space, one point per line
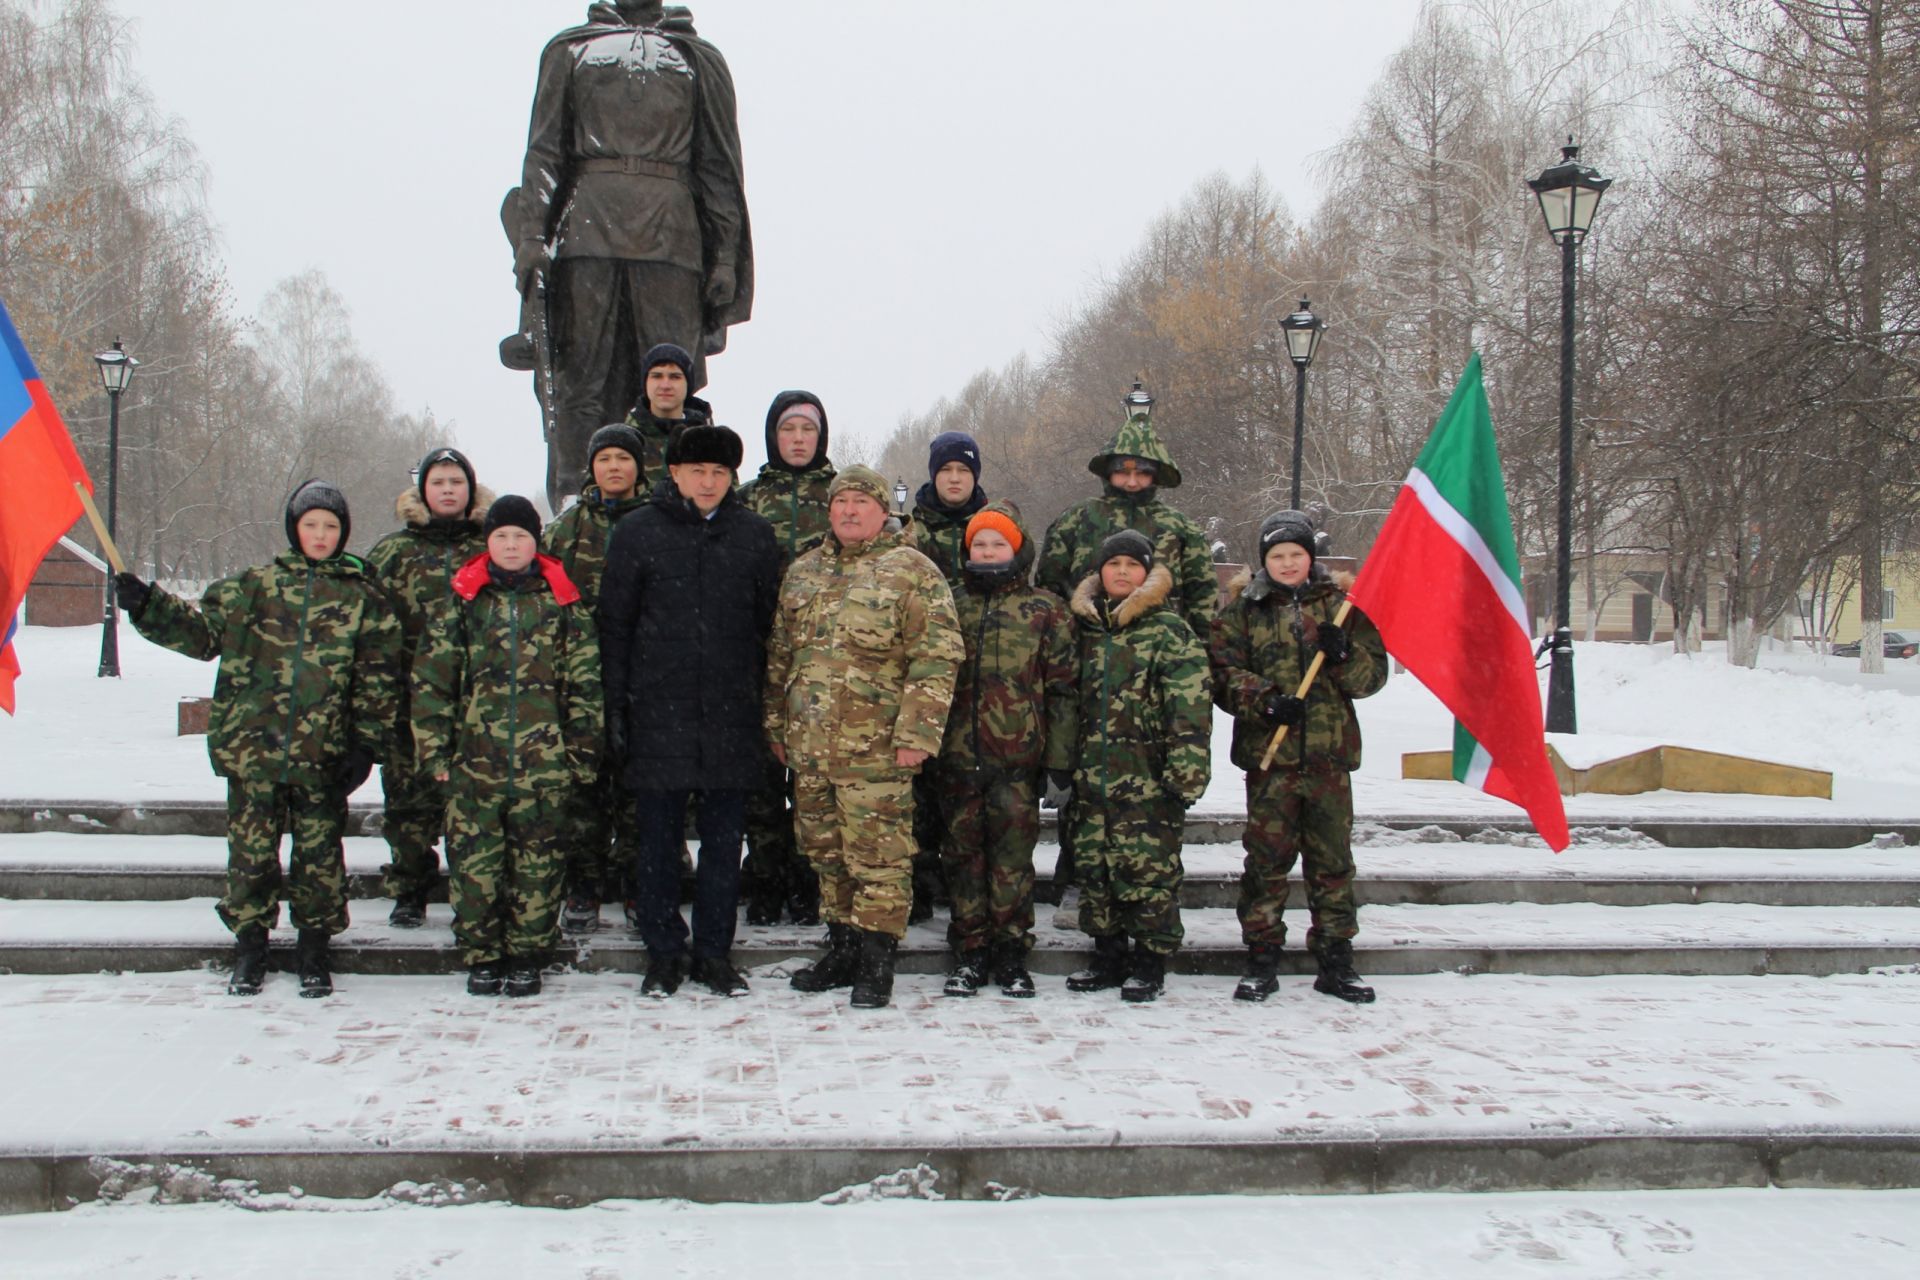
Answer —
764 903
969 974
523 977
409 912
834 969
249 961
664 975
1109 967
316 977
1262 977
873 981
1147 979
1010 971
803 897
486 978
1337 974
581 914
717 974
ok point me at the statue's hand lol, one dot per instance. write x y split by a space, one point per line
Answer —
529 260
720 286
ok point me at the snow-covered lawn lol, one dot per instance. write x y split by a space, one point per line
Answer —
1701 1235
81 738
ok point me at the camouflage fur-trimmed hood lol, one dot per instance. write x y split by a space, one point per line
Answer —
411 508
1136 438
1256 585
1150 595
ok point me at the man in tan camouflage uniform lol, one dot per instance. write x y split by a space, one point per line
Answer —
860 673
508 711
303 705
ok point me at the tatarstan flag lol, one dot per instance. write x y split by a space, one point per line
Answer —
1442 584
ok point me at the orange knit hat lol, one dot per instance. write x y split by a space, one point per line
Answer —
999 522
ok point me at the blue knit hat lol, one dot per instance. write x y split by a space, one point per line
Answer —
953 446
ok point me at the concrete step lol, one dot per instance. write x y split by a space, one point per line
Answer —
65 937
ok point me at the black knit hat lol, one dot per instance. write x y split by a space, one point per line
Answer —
616 435
512 509
953 446
1287 526
1127 542
666 353
445 453
701 443
317 495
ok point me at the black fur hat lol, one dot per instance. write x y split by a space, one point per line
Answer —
702 443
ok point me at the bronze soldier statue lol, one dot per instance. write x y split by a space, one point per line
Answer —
629 225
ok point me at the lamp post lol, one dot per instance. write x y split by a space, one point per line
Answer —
1569 193
1138 402
900 497
116 371
1303 330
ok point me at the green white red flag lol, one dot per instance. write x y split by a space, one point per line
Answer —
1442 584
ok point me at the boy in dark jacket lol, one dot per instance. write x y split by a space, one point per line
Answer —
507 714
1143 761
1013 718
303 706
686 606
1262 644
440 516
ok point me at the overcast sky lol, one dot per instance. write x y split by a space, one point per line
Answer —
931 185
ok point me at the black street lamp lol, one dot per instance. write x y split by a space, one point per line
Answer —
1303 330
1569 193
116 371
900 493
1138 402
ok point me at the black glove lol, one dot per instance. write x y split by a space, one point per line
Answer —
1279 708
1061 778
353 770
1335 643
617 741
131 592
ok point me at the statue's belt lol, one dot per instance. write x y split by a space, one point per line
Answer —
633 165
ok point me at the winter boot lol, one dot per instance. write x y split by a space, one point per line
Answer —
873 979
523 977
316 977
664 976
763 905
580 916
249 961
1010 971
836 967
1109 967
1262 977
803 897
485 978
969 974
1147 979
717 974
408 913
1337 975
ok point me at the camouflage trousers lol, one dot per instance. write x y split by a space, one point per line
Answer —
414 820
1127 864
992 822
774 872
858 834
1294 814
598 836
258 813
508 874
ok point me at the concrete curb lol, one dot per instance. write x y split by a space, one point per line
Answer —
567 1178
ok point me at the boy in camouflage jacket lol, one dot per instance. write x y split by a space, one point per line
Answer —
596 818
1143 760
507 713
791 492
1263 642
1013 718
440 517
303 706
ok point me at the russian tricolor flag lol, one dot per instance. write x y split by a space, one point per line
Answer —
38 469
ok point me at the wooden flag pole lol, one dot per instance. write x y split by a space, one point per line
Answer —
100 528
1306 683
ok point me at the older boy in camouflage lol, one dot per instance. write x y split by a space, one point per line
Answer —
1281 615
860 672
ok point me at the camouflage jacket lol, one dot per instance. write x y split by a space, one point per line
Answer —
506 690
862 660
654 434
1146 724
578 538
416 565
310 665
1264 640
796 503
1178 543
1014 704
940 533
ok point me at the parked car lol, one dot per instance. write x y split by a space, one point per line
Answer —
1895 644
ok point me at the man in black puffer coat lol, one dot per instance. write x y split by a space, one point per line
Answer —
686 604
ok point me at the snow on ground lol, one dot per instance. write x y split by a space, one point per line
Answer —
169 1063
81 738
1702 1235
